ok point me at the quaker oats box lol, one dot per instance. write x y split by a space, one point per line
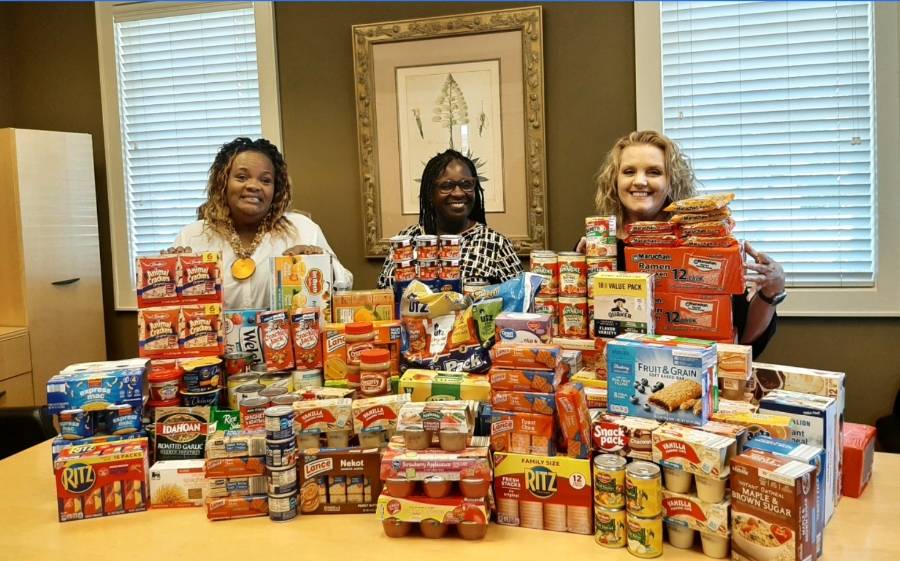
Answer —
812 455
339 480
625 436
773 508
623 303
664 378
302 281
814 424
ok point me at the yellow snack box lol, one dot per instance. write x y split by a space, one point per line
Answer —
757 423
434 385
362 305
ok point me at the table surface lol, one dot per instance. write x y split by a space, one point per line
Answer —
864 529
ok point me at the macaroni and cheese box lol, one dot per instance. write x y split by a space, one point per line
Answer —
690 270
302 281
362 305
96 390
544 493
662 378
704 316
339 480
623 303
101 480
431 385
242 333
177 483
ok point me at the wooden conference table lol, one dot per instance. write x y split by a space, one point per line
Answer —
865 529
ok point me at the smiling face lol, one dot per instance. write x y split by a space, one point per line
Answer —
250 188
453 209
642 184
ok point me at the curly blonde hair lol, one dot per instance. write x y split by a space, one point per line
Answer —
215 211
682 183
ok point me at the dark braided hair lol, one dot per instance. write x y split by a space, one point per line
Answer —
433 169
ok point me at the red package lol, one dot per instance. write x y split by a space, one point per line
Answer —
158 331
276 340
306 337
157 280
574 420
204 330
859 456
200 279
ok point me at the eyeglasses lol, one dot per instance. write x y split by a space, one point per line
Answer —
447 187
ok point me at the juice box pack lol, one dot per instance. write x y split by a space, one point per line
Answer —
302 281
693 270
363 305
623 303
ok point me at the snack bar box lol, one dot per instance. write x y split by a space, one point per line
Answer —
302 281
690 270
663 378
544 493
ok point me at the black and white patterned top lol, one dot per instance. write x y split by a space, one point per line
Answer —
487 255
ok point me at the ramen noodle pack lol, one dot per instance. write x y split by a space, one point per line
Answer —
101 480
702 316
773 505
623 303
690 270
544 493
431 385
662 378
624 436
177 483
96 387
339 481
701 203
302 281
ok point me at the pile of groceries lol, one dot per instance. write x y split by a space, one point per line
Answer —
573 398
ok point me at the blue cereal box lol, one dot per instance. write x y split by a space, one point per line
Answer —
242 333
96 389
662 378
812 455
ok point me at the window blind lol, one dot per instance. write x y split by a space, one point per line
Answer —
187 84
774 101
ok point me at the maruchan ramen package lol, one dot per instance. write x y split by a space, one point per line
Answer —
302 281
701 203
701 316
690 270
623 303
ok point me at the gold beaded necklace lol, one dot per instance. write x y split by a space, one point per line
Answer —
244 267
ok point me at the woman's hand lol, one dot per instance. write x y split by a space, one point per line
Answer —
582 245
303 250
178 249
765 272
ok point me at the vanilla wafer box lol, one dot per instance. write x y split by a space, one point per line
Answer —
544 493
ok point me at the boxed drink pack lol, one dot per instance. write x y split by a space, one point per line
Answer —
815 423
773 505
703 316
515 327
859 456
812 455
662 378
623 303
544 493
177 483
433 385
690 270
302 281
362 305
242 334
339 480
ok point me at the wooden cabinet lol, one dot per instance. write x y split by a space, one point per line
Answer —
49 256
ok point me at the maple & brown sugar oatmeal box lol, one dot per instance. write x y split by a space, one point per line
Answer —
773 508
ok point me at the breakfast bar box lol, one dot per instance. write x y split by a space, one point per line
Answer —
690 270
623 303
544 493
339 480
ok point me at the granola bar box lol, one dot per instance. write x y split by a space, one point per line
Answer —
659 377
773 508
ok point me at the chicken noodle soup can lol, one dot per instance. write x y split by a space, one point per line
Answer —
283 508
401 248
644 535
609 527
600 233
75 424
428 269
307 378
545 264
427 247
596 265
280 422
404 271
450 247
450 269
643 489
278 380
573 313
236 381
572 274
548 305
609 481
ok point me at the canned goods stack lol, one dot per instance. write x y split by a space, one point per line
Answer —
643 505
281 454
433 260
609 500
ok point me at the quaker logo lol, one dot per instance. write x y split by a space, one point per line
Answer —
540 482
615 314
78 478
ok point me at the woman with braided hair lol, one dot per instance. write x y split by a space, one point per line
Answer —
451 201
247 217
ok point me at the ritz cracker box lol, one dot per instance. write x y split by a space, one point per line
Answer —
662 378
302 281
623 303
544 493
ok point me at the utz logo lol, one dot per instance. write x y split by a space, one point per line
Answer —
78 478
540 482
316 467
315 282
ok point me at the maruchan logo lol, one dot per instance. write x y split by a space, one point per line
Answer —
650 256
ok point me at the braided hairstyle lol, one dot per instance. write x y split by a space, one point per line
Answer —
215 211
433 169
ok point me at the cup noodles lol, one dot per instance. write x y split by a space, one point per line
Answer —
815 423
277 347
302 281
242 334
690 270
362 305
624 436
200 278
692 450
377 413
773 505
703 316
157 280
323 415
339 481
544 493
523 433
515 327
593 353
859 456
432 385
812 455
623 303
689 511
177 483
660 377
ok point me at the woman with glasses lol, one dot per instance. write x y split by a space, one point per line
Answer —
247 217
451 202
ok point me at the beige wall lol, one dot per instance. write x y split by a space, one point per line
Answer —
49 79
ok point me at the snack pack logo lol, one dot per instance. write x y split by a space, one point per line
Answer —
316 467
78 478
540 482
609 437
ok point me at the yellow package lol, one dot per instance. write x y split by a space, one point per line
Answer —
703 203
698 217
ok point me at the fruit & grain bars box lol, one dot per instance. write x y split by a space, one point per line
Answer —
690 270
662 378
544 493
704 316
773 505
339 480
687 510
177 483
242 333
692 450
812 455
432 385
524 328
623 303
859 456
302 281
362 305
593 353
815 423
624 436
101 480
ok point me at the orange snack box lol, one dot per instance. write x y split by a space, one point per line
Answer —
306 338
523 402
543 381
702 316
234 467
574 420
522 433
228 508
694 270
859 454
531 357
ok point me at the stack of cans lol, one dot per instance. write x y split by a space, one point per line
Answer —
433 260
281 455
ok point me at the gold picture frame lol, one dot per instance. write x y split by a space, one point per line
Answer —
507 43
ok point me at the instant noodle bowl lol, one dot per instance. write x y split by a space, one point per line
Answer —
450 247
280 422
75 424
428 270
401 248
546 265
165 385
122 419
450 269
278 380
201 373
572 274
405 271
201 399
281 453
280 481
283 508
239 380
609 481
237 362
253 412
307 378
643 489
609 527
427 247
644 536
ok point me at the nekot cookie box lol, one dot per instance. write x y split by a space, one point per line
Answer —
339 480
552 493
662 378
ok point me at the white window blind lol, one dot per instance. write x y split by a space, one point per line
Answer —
774 101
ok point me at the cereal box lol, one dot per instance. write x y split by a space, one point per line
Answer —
623 303
514 328
362 305
693 270
543 381
157 280
859 456
533 357
815 423
693 450
323 415
704 316
339 481
523 402
574 420
773 505
432 385
523 433
177 483
377 413
302 281
306 337
625 436
812 455
662 378
242 333
96 390
277 347
231 508
544 493
101 480
474 461
200 278
689 511
593 353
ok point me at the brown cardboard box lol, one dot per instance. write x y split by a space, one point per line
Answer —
339 481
